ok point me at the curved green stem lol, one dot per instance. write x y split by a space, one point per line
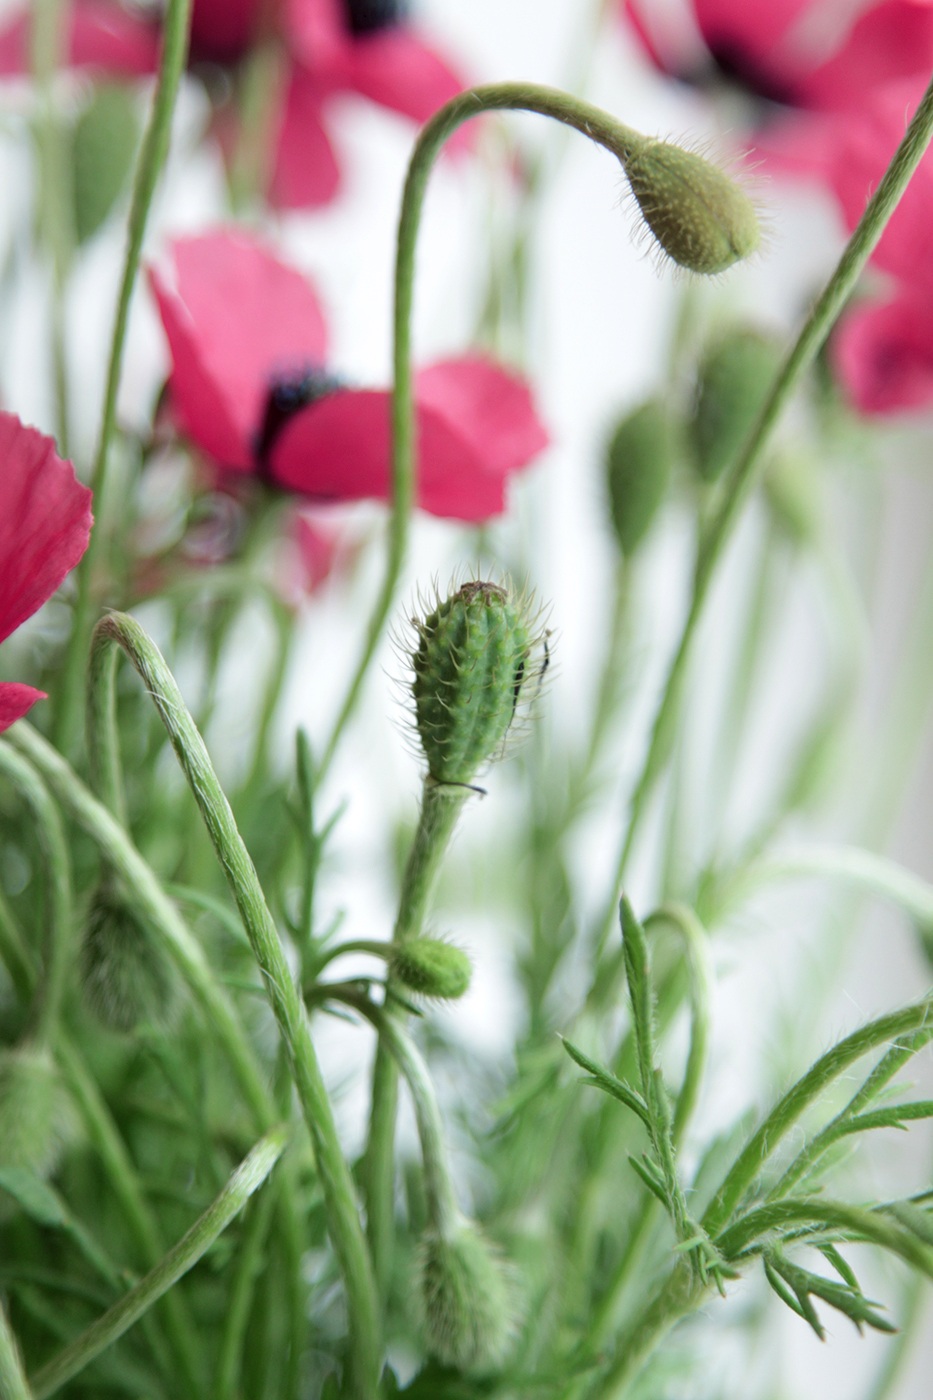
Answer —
339 1194
696 947
13 1382
679 1294
743 474
527 97
53 978
247 1178
152 158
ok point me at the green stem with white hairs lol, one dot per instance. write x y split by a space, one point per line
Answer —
364 1353
743 475
620 140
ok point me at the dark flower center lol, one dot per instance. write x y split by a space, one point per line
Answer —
369 16
738 67
289 394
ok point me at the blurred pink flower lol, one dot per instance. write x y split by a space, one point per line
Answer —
331 46
805 53
883 354
249 386
45 523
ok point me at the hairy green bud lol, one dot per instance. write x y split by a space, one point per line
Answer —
467 1308
431 967
735 376
470 667
700 216
36 1117
126 976
639 459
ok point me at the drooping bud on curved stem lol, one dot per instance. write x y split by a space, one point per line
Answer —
429 967
699 216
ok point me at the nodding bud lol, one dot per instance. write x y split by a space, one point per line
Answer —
466 1298
639 459
431 968
471 667
700 216
126 976
734 378
36 1116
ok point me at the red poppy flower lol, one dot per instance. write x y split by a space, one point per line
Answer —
331 46
45 521
883 354
250 387
800 52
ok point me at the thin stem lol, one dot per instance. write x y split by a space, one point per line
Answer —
339 1194
529 97
440 808
695 941
152 158
247 1178
742 476
13 1382
242 1289
876 874
59 919
678 1294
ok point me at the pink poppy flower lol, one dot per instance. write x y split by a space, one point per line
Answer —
45 522
331 46
804 53
883 355
250 387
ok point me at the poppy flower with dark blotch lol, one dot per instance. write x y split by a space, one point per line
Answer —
883 355
367 47
804 53
45 522
250 386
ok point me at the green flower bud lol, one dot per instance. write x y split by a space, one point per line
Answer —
36 1117
126 976
735 376
791 492
638 467
431 967
465 1294
700 216
470 667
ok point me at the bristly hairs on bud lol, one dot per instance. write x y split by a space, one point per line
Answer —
477 661
467 1298
431 967
37 1119
697 213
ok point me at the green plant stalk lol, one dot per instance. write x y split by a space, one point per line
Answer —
440 808
528 97
152 156
782 1117
53 978
679 1294
13 1382
48 31
154 906
247 1178
695 941
104 1134
875 874
242 1289
364 1357
744 473
15 955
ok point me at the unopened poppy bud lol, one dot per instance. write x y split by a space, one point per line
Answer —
734 379
639 458
126 976
701 217
465 1296
36 1117
471 666
431 967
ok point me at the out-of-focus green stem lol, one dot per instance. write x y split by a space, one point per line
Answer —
13 1382
152 156
742 476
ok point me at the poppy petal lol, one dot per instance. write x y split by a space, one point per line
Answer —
45 521
398 70
236 319
306 173
884 355
340 449
15 701
491 408
888 42
101 35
